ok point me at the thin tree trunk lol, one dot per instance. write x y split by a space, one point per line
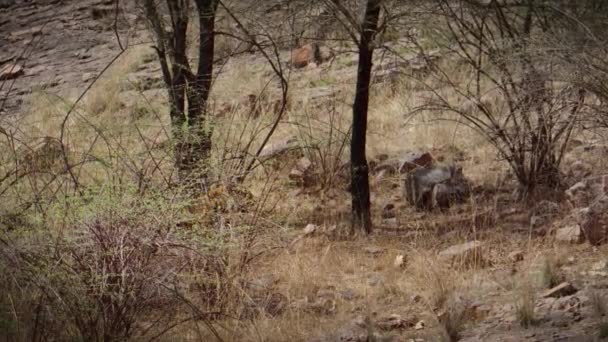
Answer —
359 169
196 146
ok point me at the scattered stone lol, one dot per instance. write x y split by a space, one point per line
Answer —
561 290
399 261
388 211
569 234
413 160
466 253
309 229
420 325
10 71
516 256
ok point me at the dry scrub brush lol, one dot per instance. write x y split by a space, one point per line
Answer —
504 87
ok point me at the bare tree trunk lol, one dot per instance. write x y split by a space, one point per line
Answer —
193 139
359 168
196 146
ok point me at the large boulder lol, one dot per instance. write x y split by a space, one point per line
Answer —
436 187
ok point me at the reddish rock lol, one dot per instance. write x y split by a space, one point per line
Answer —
413 160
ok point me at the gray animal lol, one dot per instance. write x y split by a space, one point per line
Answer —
436 187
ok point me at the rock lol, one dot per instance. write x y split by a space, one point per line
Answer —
302 172
413 160
561 290
309 229
422 187
388 211
419 326
569 234
10 71
466 253
399 261
516 256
